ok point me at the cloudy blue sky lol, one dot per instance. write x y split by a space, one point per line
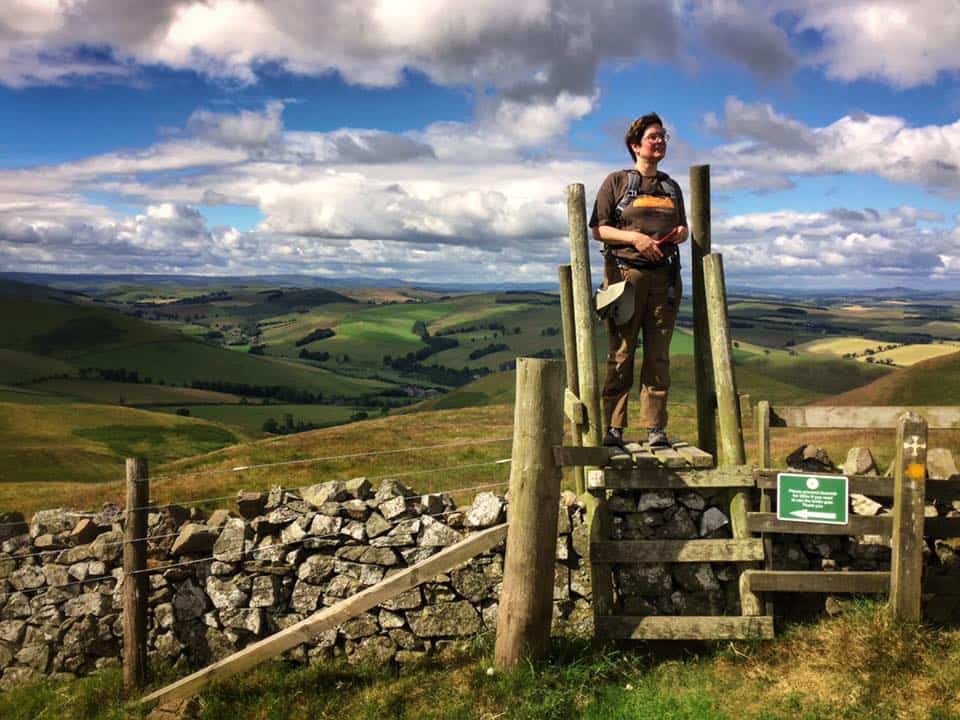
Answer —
431 140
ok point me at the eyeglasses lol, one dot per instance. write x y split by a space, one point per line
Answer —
657 137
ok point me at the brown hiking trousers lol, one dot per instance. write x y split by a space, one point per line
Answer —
654 316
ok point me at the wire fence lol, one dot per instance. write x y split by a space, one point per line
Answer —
242 553
303 461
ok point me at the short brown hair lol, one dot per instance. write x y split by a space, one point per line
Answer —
635 132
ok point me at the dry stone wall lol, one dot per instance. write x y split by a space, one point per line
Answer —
222 581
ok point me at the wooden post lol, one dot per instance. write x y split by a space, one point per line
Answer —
766 496
699 249
570 356
750 603
526 600
763 434
728 409
583 315
134 580
909 487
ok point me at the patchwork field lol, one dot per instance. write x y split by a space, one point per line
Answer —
912 354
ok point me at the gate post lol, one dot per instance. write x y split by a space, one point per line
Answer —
526 600
909 487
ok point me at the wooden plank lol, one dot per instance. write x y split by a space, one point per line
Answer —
861 417
568 455
669 457
817 581
621 460
642 457
674 479
906 556
858 525
672 551
333 616
871 485
575 410
601 576
694 455
676 627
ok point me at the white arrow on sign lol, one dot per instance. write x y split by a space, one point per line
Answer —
810 514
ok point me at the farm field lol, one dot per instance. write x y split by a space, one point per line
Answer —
249 418
912 354
838 347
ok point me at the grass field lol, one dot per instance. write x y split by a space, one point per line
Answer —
250 418
46 449
20 367
859 666
179 361
103 391
839 346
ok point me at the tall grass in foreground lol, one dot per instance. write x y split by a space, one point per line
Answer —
856 667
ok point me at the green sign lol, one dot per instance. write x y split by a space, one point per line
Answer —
812 498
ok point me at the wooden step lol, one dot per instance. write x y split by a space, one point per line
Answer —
672 479
676 627
817 581
664 551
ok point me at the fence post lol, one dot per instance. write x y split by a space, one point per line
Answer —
699 249
526 600
135 581
728 405
583 315
569 328
909 487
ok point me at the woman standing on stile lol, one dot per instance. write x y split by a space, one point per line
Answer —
640 218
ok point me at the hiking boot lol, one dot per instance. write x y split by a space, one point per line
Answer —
613 438
657 437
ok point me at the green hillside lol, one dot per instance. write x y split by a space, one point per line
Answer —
86 443
18 367
932 382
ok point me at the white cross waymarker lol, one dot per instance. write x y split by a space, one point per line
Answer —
914 445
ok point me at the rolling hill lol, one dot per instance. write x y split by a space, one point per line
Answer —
931 382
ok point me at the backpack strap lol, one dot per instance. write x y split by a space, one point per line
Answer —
633 189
